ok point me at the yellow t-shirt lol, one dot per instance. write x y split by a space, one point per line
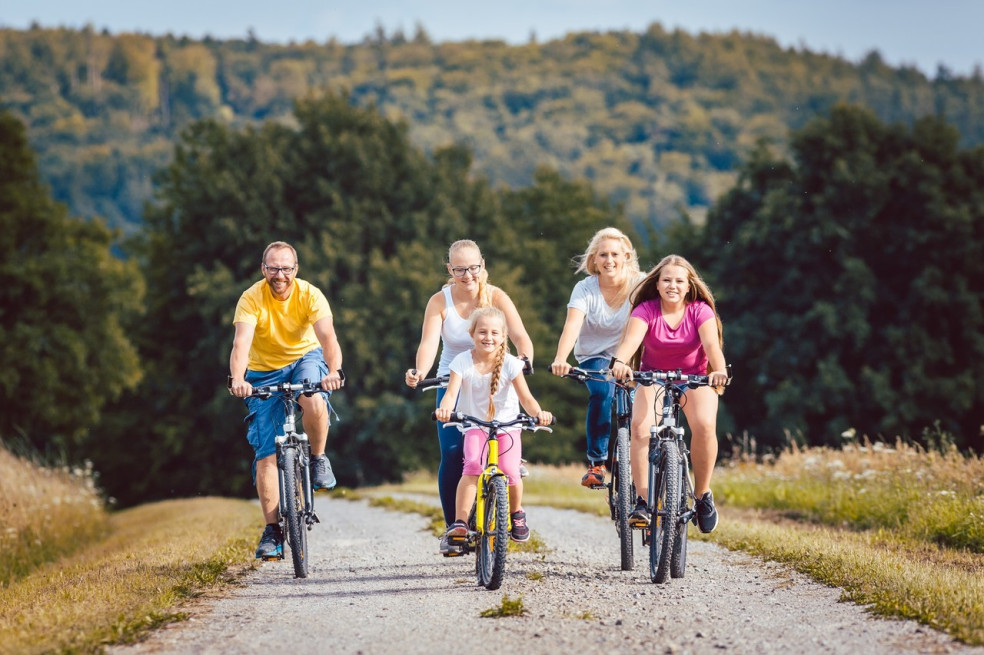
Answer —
284 328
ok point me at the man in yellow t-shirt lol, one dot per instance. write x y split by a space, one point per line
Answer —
284 333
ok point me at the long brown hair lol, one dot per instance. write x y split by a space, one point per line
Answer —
648 289
500 353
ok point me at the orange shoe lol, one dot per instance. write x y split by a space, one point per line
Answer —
594 478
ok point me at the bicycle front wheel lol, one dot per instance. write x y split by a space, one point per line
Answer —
293 503
624 496
494 541
679 561
666 515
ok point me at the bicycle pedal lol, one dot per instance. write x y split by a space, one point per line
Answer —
275 558
599 486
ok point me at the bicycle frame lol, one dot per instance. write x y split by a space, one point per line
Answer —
621 492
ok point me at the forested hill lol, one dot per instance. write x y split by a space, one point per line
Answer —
656 119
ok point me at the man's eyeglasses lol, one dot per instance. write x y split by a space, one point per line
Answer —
459 271
275 270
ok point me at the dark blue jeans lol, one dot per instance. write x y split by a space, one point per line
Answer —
452 461
598 424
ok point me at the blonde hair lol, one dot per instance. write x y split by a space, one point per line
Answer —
500 353
697 289
630 269
484 288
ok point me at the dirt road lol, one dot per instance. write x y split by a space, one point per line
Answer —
378 586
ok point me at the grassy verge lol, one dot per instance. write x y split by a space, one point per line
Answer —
892 575
155 557
47 512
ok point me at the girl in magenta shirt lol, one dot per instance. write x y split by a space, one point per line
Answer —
675 323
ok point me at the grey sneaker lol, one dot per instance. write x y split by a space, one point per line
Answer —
321 475
707 515
271 543
520 532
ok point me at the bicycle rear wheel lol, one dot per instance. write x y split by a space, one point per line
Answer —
624 496
678 564
665 517
490 563
293 503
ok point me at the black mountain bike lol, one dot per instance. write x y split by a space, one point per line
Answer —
671 488
297 514
621 491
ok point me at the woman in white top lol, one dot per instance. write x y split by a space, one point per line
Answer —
446 323
596 316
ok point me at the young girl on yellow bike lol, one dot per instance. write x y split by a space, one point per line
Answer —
488 381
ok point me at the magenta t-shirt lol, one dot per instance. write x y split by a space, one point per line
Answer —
668 349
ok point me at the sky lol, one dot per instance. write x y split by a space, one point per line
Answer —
921 33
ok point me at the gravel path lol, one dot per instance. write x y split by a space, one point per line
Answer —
377 585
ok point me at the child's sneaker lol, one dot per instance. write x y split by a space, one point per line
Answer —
457 530
520 532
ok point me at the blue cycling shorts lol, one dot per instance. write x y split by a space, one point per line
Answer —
265 419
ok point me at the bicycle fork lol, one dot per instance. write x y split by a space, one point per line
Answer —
484 484
298 442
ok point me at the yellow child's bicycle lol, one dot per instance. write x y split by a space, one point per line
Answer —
489 524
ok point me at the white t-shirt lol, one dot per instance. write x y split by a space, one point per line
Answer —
603 324
473 398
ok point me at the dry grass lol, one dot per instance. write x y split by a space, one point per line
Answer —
47 513
932 496
156 556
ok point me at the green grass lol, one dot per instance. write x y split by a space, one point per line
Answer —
920 495
508 607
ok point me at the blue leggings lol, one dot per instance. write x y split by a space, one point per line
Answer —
598 423
452 461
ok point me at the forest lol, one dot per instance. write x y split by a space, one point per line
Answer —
656 120
844 255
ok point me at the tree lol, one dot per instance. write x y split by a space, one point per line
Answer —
65 300
850 282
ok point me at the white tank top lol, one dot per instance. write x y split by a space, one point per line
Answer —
454 334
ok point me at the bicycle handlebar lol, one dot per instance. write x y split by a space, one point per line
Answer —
584 374
667 378
442 380
525 421
431 383
306 388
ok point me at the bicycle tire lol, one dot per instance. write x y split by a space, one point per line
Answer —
293 507
666 517
624 497
494 542
678 564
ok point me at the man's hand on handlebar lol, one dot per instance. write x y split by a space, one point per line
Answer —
333 381
239 387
